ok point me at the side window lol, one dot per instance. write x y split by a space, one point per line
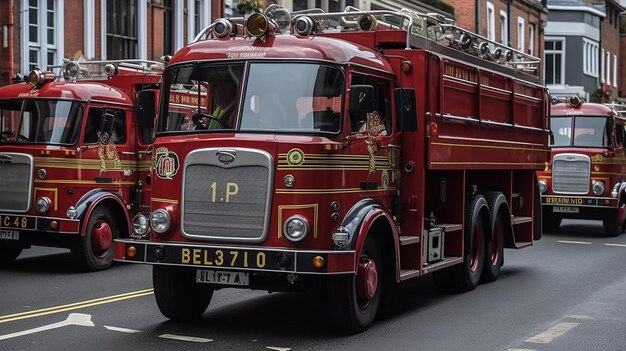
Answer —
95 125
382 106
619 133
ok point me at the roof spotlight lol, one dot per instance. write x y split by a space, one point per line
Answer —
304 25
258 25
464 42
575 101
110 69
482 49
71 69
224 28
496 54
367 22
508 56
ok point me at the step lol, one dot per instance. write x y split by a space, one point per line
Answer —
408 240
519 220
446 262
450 227
409 273
523 244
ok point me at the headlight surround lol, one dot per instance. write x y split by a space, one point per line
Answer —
160 221
615 190
296 228
543 185
597 188
140 226
42 204
71 212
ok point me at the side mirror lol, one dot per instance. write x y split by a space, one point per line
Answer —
145 108
406 111
361 99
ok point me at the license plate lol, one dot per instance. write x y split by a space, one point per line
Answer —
565 209
9 234
17 222
222 277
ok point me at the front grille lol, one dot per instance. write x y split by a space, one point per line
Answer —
570 174
15 181
227 203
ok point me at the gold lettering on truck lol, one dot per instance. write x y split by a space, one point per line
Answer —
564 201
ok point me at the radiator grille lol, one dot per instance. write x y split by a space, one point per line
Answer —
228 203
15 182
570 174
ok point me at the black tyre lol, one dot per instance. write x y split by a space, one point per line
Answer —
178 295
94 250
612 227
551 224
353 299
8 254
538 216
494 248
466 276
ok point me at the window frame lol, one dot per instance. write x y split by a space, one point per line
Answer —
41 46
562 58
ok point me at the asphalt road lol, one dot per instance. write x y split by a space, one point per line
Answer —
567 292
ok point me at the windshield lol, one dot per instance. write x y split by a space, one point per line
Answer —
588 131
275 97
9 119
43 122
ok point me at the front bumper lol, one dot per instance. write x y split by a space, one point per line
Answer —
578 207
244 258
39 224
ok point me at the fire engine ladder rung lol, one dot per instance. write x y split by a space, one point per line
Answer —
519 219
523 244
408 240
409 273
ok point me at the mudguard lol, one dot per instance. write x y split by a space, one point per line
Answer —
90 200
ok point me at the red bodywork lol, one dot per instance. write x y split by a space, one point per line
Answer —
78 175
587 152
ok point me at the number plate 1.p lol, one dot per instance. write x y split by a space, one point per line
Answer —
222 277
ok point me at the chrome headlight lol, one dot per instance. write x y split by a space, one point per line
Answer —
597 188
160 221
295 228
543 185
42 204
71 212
140 225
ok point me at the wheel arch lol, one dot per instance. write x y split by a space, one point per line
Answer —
102 197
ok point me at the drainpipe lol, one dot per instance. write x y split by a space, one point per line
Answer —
508 29
10 40
477 31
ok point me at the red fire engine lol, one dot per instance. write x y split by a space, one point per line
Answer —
358 150
73 157
586 177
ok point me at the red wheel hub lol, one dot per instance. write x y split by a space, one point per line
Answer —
101 237
366 280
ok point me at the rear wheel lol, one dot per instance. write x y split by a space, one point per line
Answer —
94 251
466 276
354 299
8 253
494 248
178 295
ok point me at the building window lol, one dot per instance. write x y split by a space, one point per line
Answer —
531 39
555 61
327 5
168 27
608 68
504 25
615 71
121 29
590 55
199 17
491 22
44 35
520 34
602 66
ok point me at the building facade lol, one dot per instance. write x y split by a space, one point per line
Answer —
583 48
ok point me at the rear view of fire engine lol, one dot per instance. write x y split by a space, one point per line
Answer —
340 153
73 157
586 176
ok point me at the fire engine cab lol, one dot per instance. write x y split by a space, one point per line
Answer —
586 175
340 153
74 163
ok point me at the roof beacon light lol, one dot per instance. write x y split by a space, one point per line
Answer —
37 77
575 101
258 25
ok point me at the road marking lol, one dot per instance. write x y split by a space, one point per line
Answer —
617 245
184 338
80 319
576 316
74 306
520 350
278 348
123 330
549 335
575 242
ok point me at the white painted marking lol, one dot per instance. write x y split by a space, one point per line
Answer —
575 242
575 316
520 350
80 319
616 245
549 335
184 338
123 330
278 348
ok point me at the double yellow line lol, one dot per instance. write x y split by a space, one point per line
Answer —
75 305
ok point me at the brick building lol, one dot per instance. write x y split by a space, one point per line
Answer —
43 32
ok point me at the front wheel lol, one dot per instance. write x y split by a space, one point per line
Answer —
94 251
611 225
551 224
178 295
354 299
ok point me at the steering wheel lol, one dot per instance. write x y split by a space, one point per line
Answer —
197 120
